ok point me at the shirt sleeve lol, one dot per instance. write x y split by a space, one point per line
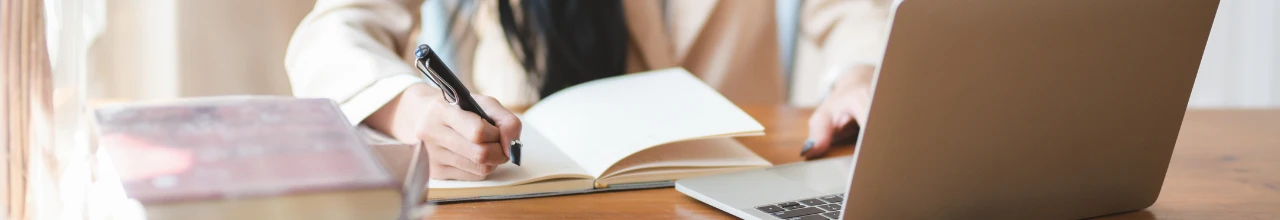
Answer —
845 34
353 51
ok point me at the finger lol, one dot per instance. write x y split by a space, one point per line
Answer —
447 138
844 125
443 156
509 126
470 125
820 132
476 130
445 172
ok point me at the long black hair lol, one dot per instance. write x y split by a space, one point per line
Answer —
562 43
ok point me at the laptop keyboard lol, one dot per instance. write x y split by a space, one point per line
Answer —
818 208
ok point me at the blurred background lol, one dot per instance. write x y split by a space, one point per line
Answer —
152 49
160 49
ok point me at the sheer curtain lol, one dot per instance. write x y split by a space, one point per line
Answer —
1239 69
26 89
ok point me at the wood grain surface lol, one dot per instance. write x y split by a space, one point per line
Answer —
1226 165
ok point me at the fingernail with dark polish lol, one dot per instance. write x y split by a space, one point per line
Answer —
808 145
515 151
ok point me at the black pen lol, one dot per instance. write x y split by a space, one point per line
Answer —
454 92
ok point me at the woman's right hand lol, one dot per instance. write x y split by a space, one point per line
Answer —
461 145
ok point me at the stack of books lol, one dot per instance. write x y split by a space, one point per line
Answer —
255 157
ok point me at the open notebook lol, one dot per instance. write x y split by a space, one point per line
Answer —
639 130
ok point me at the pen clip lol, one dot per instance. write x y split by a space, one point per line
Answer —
450 95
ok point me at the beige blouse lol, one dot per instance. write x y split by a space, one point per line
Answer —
357 52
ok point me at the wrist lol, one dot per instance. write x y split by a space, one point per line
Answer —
400 116
852 92
855 78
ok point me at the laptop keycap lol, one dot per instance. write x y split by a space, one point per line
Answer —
832 215
793 207
770 209
812 202
788 204
798 212
811 217
833 199
830 207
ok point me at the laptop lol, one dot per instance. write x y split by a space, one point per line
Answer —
1001 109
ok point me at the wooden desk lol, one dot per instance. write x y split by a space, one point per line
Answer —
1226 166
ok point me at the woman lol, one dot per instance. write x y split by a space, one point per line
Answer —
356 52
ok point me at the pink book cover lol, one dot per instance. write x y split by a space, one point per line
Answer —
235 147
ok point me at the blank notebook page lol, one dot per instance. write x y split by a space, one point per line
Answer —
599 123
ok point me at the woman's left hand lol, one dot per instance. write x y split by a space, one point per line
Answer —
846 104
